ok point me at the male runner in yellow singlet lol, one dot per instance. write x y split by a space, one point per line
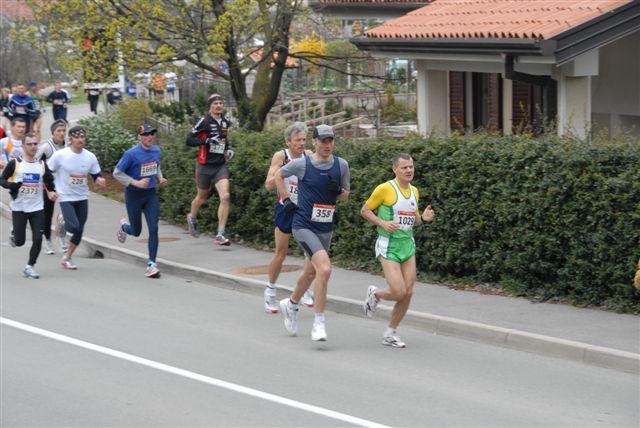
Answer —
396 206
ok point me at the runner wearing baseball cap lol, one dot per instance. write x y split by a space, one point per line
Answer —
139 171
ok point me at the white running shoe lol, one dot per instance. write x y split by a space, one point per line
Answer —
318 332
270 303
290 313
62 244
370 303
28 272
67 263
60 230
152 271
121 234
393 341
221 240
48 246
307 299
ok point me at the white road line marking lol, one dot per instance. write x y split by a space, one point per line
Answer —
191 375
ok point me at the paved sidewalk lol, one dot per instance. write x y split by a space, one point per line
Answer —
587 335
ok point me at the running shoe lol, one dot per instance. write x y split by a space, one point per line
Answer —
192 223
221 240
28 272
121 234
318 332
370 303
290 313
62 243
67 263
270 303
12 238
48 246
307 299
393 341
152 271
60 230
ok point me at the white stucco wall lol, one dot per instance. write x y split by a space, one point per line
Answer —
433 100
616 89
574 106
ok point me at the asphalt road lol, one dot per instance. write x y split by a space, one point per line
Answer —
104 346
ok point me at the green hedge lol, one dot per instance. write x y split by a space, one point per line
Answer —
107 140
547 218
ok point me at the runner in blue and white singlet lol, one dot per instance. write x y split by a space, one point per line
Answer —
323 180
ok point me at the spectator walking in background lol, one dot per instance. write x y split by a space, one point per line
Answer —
114 97
59 99
396 213
93 96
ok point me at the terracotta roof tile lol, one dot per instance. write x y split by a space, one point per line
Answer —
290 62
370 1
531 19
15 9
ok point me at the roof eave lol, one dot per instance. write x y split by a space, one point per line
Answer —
598 32
399 46
365 10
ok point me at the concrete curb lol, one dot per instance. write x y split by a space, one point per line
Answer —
435 324
508 338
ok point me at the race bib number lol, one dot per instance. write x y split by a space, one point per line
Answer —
21 110
29 190
149 169
217 148
58 102
293 191
77 180
323 213
405 219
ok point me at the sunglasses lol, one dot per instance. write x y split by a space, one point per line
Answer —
148 134
30 144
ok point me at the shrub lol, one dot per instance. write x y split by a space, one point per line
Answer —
130 113
177 112
331 106
107 140
348 111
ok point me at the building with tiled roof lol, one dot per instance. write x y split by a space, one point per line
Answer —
501 64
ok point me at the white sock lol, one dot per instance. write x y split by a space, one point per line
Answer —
319 318
389 332
271 290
